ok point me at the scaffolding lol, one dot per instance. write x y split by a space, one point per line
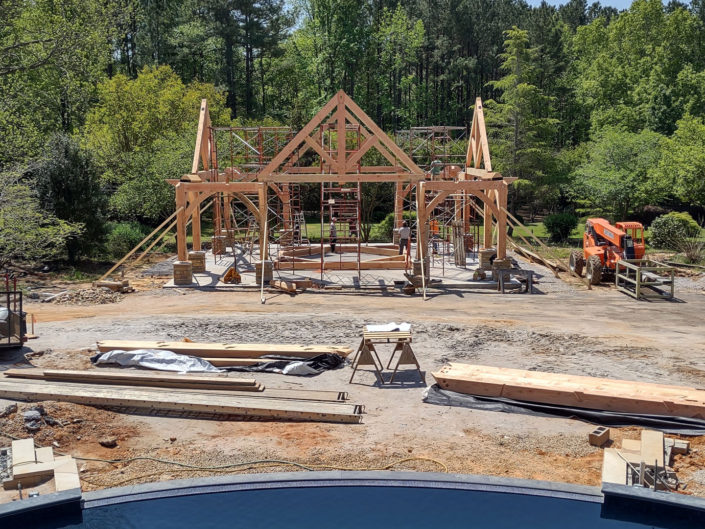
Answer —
434 148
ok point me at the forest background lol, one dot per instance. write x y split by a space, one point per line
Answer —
595 111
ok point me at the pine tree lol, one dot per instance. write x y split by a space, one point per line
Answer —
520 121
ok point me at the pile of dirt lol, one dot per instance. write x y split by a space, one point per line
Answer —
87 296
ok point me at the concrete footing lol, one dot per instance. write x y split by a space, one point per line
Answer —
183 273
268 272
198 261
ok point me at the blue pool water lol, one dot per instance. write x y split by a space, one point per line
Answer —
348 507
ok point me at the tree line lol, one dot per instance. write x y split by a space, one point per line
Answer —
595 111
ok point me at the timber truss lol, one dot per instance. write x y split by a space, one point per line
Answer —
340 146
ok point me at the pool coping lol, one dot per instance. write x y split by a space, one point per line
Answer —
195 486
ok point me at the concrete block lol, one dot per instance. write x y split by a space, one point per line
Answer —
599 436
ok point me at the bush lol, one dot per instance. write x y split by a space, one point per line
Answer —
123 237
559 225
385 229
670 230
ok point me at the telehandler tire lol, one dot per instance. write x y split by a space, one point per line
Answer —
576 262
593 270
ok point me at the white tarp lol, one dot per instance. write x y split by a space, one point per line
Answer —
389 327
156 359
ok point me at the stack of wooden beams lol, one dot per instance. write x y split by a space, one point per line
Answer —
226 354
31 466
167 393
575 391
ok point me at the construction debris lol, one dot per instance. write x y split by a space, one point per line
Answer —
122 286
570 390
645 463
31 466
86 296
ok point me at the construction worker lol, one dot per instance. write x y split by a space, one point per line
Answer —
404 235
333 235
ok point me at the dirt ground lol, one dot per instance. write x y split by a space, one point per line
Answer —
565 328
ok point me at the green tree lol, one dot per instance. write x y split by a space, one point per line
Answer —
617 178
682 164
29 234
131 115
520 122
68 186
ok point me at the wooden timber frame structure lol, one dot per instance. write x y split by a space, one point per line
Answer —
338 161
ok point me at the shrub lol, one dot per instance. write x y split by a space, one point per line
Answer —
123 237
670 230
385 229
559 225
693 250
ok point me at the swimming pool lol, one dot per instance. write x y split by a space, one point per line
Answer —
372 500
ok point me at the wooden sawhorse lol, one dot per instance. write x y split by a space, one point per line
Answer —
366 353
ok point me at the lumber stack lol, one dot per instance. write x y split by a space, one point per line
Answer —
571 390
221 382
206 384
238 354
167 400
31 466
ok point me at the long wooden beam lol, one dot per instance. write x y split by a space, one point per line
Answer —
225 350
92 395
572 390
351 177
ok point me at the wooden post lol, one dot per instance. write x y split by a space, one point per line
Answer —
487 228
398 210
502 223
421 219
196 223
262 203
181 223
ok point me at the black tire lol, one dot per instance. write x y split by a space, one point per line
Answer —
576 262
593 270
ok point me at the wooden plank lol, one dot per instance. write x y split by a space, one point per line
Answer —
614 468
44 454
35 470
225 350
344 265
137 378
182 401
66 476
289 394
286 286
571 390
631 445
23 452
652 447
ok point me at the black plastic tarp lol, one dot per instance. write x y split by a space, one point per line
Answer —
664 423
294 366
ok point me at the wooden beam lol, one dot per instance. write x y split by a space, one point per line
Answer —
182 401
571 390
201 136
226 350
298 140
222 187
383 138
319 150
352 177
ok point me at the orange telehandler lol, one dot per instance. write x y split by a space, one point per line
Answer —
604 245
